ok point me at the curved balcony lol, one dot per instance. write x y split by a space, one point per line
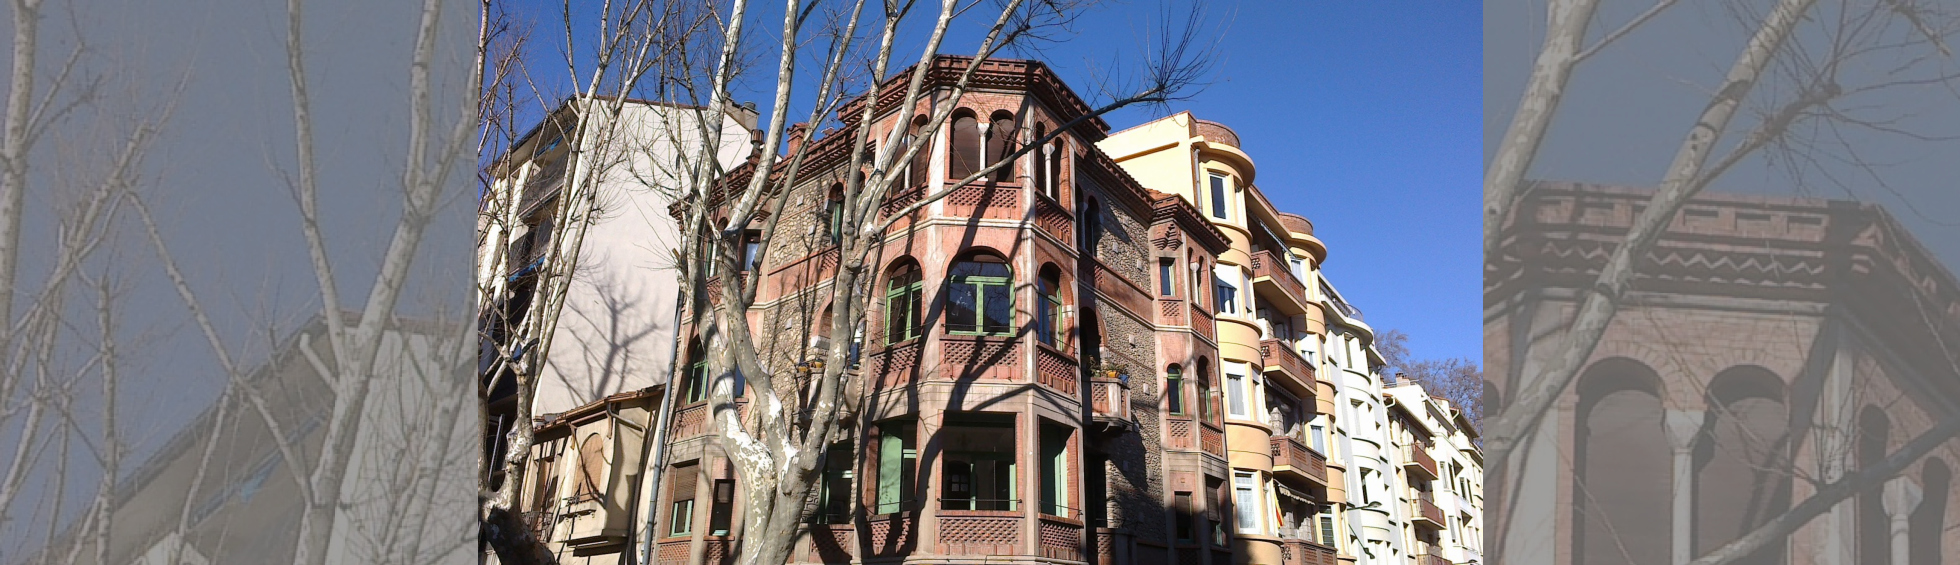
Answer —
1296 223
1279 359
1293 459
1273 279
1303 552
1217 132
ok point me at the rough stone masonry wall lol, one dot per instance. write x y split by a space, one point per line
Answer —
1134 470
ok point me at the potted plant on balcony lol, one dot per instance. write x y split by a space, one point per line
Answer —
1113 370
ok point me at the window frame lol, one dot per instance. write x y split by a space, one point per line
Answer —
1166 277
1174 391
1220 193
1049 311
908 282
894 436
980 285
1238 391
1247 503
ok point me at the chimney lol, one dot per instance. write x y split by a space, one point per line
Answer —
797 133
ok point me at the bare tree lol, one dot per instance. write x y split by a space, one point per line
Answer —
702 52
1455 379
1810 60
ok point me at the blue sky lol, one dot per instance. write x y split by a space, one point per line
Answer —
1364 117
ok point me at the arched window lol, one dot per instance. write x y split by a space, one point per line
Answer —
591 468
1001 142
694 387
1624 459
1929 519
1053 164
1742 470
1207 407
980 296
922 160
1092 231
903 302
965 156
834 212
1042 182
1874 539
1048 312
1174 390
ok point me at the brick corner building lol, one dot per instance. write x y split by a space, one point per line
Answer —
1116 350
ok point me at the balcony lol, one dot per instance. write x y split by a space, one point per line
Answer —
1109 403
1303 552
1203 323
1423 511
1278 357
980 532
1061 537
1052 218
1057 370
981 358
984 199
541 186
1273 279
1211 439
1429 554
1217 133
1178 433
1293 459
1418 462
1170 312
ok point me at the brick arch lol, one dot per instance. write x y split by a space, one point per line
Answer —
1622 458
1667 366
1742 459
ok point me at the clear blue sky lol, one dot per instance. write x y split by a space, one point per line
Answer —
1365 117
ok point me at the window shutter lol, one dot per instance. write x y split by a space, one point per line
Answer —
592 465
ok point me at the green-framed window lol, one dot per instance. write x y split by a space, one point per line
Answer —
980 297
1174 390
695 389
898 460
1048 315
904 304
834 494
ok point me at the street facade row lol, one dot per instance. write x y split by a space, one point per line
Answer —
1114 350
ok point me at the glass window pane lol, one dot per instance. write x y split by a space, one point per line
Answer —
1235 395
1247 503
1218 196
1000 308
962 305
1174 391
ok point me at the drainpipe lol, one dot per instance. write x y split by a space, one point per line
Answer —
657 441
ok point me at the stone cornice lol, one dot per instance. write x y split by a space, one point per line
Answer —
1848 257
1032 77
1173 208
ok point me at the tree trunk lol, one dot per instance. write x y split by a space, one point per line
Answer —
506 532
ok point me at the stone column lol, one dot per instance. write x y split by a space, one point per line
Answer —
1901 496
1682 426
